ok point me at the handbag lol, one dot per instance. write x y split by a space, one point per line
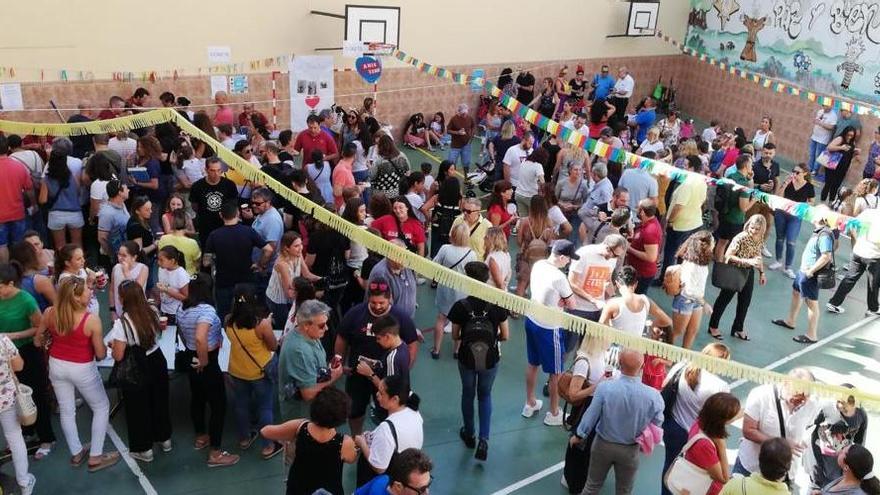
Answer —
182 357
25 408
729 277
684 476
829 159
826 277
131 370
669 392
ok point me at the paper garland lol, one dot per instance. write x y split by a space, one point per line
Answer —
800 210
443 275
776 85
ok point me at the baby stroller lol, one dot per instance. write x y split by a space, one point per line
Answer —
483 178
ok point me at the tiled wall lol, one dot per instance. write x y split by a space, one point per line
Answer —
710 93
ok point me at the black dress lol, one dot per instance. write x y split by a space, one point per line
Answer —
317 465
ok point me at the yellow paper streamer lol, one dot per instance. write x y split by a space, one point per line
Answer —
441 274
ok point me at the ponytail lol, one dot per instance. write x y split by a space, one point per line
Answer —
398 386
175 254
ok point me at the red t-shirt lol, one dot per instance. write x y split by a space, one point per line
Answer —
596 129
703 454
16 180
306 142
412 229
504 214
648 233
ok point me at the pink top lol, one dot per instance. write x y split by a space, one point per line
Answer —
75 347
343 178
224 116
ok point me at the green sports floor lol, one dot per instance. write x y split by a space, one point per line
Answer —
524 456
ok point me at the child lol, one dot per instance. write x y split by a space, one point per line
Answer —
654 370
716 156
173 283
416 196
425 168
175 202
70 262
191 167
395 357
437 132
127 269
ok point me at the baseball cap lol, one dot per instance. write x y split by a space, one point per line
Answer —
564 247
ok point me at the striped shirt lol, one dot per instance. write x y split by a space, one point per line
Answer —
188 319
396 362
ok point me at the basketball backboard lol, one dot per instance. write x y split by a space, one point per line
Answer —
371 23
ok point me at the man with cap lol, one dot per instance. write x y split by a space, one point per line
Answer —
545 342
461 127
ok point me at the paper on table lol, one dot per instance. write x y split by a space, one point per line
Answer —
10 97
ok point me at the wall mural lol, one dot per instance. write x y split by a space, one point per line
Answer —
829 46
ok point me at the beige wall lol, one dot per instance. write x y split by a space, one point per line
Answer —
109 35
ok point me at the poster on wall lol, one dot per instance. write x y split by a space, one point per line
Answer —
829 46
238 84
311 87
218 83
10 97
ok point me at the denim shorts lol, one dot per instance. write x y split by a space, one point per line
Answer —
58 220
685 305
12 232
807 287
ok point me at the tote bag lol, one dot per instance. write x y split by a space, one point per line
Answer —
684 476
729 277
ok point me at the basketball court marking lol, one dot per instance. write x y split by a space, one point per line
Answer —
812 347
132 464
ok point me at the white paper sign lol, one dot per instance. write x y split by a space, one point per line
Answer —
10 97
218 83
311 87
219 54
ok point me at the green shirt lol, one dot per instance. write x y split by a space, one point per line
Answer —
298 363
15 315
754 485
734 214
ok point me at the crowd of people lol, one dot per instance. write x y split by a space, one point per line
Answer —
179 239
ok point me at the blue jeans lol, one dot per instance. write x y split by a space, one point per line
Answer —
739 469
674 438
477 383
223 301
788 227
12 232
816 149
254 395
464 152
674 240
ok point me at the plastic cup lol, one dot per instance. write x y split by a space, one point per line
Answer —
163 322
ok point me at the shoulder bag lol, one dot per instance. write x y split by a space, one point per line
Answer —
726 276
131 370
249 355
669 392
826 277
684 476
781 419
25 408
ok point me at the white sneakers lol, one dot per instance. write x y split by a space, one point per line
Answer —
775 265
766 252
529 411
32 481
553 420
834 309
166 445
789 273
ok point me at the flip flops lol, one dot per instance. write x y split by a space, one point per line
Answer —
803 339
783 324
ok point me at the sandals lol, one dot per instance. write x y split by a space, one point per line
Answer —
741 336
43 451
435 354
275 449
246 444
79 458
803 339
201 442
715 336
223 459
104 461
782 323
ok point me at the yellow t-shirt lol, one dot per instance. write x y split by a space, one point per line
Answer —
241 365
477 235
690 195
189 247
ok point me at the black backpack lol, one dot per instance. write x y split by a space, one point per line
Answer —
722 198
479 340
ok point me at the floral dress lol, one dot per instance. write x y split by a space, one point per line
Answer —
7 385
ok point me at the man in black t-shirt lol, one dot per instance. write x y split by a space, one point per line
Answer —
229 248
525 83
356 340
766 176
208 195
276 169
472 380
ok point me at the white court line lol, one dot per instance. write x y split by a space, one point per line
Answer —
132 464
812 347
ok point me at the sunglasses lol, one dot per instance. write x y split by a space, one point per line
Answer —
248 151
257 203
471 211
420 491
378 286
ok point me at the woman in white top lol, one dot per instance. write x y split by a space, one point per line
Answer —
531 177
498 258
395 396
289 265
689 305
764 134
71 262
147 414
10 363
694 387
561 225
866 196
629 311
454 256
127 268
652 142
355 212
587 371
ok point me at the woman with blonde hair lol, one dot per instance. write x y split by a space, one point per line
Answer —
77 345
688 306
454 256
497 258
744 251
865 193
695 386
